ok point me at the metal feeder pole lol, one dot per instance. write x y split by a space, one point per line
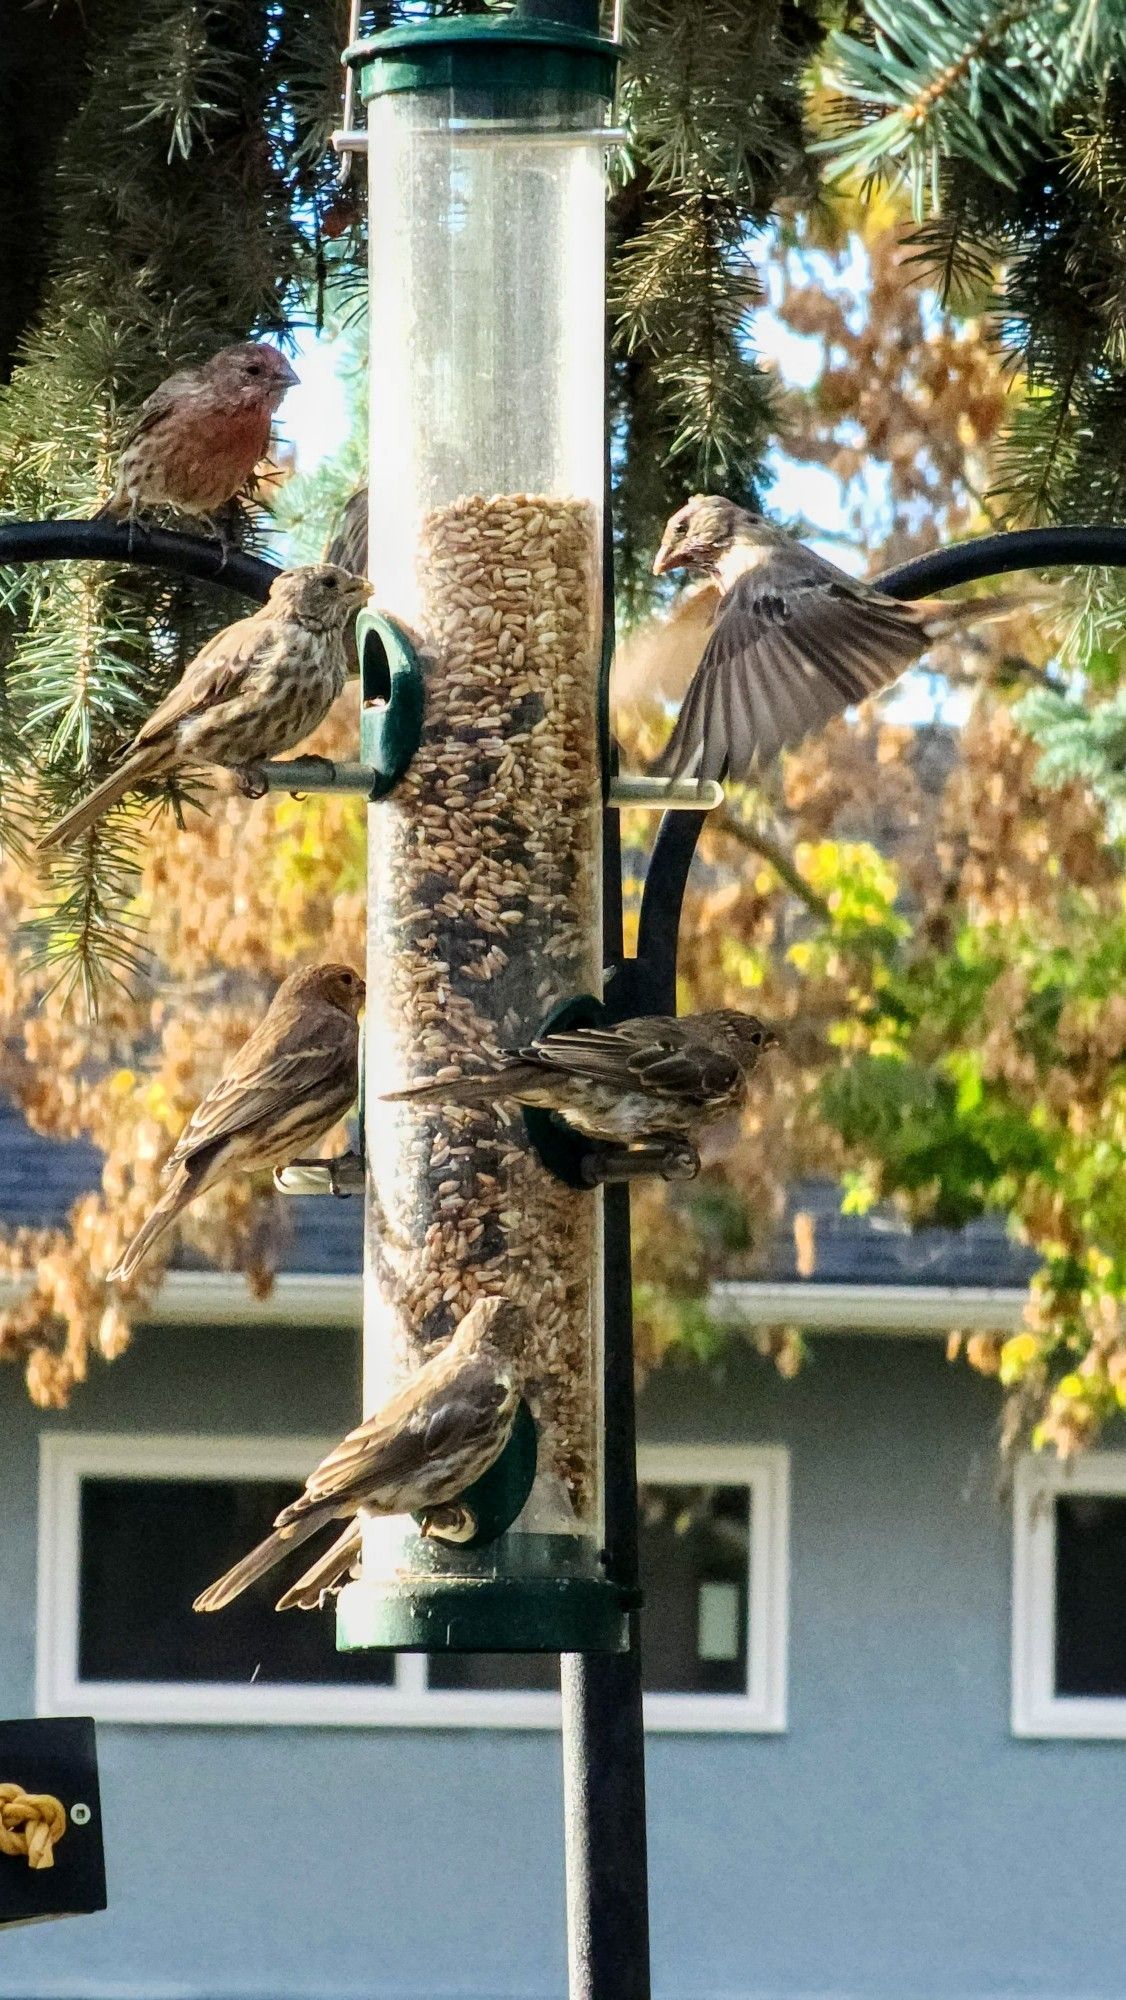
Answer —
603 1726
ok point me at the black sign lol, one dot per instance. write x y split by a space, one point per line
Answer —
56 1756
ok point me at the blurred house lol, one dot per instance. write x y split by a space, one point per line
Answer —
887 1701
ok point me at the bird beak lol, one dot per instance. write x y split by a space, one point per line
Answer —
288 376
359 590
667 556
677 553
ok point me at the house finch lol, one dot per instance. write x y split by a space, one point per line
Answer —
794 641
441 1431
257 688
200 435
289 1084
638 1080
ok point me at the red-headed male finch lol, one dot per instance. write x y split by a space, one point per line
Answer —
290 1083
640 1079
199 436
794 641
442 1430
259 687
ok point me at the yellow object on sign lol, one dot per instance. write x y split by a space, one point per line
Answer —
30 1824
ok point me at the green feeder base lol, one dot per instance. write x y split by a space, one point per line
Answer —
536 1594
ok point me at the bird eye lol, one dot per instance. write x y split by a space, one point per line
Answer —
756 1037
330 583
254 368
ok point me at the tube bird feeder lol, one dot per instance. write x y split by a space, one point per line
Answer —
486 139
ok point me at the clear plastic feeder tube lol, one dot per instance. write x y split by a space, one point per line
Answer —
487 435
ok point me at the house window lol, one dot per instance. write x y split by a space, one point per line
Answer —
1069 1597
131 1529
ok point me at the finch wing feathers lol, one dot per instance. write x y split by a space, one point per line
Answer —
409 1435
795 642
696 1071
606 1055
347 545
315 1060
655 1052
164 399
218 668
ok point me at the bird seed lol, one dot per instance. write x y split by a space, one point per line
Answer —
492 839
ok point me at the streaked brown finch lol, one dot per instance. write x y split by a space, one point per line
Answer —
291 1082
638 1080
443 1429
258 688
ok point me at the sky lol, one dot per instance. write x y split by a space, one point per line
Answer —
314 417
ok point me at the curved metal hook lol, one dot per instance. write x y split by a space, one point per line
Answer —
649 984
157 548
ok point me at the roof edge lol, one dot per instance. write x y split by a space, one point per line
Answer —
222 1298
913 1312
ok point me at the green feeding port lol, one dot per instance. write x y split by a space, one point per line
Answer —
391 699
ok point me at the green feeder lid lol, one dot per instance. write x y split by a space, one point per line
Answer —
517 51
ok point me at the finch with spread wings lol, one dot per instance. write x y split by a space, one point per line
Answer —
291 1082
259 687
638 1080
199 436
793 643
441 1431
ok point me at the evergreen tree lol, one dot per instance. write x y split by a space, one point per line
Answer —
1008 122
181 214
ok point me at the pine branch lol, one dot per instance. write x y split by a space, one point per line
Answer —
948 77
1082 745
184 217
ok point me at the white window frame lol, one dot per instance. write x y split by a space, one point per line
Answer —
1037 1710
66 1458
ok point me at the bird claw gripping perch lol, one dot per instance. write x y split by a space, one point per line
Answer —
673 1159
253 780
342 1177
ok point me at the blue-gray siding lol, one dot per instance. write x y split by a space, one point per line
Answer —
896 1843
41 1178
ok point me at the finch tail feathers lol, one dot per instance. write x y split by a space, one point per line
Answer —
258 1562
307 1594
463 1090
175 1198
144 764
